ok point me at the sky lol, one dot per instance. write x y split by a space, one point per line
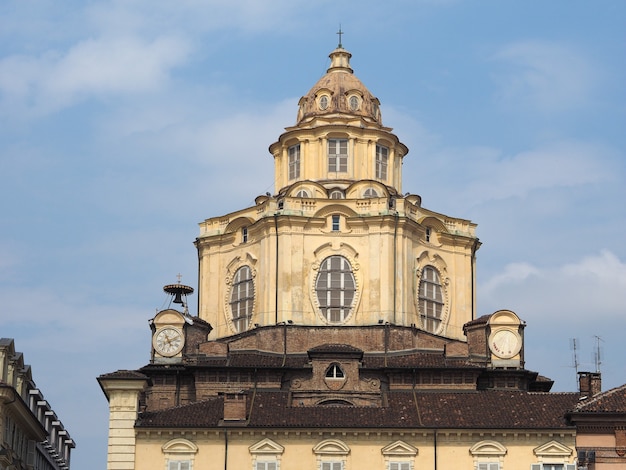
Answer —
125 123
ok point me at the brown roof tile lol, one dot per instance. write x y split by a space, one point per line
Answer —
429 410
611 401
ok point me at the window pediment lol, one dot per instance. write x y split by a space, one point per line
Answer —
552 449
266 446
488 449
179 446
331 447
399 449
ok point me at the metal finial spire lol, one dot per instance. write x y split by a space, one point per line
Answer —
340 33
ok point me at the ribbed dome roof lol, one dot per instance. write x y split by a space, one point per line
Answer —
339 91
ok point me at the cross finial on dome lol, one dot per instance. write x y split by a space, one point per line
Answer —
340 33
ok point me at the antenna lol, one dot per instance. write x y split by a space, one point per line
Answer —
597 357
573 345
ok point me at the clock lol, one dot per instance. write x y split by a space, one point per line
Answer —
505 343
168 341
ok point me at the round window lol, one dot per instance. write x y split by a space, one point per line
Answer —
324 102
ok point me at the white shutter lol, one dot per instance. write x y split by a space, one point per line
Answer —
488 466
394 466
186 465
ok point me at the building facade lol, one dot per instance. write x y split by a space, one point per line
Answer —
600 420
31 435
337 327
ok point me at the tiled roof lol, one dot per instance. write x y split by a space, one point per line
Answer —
427 410
124 374
335 348
611 401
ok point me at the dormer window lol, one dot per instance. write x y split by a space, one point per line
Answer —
303 193
334 372
354 103
337 155
324 101
370 192
382 158
337 194
294 162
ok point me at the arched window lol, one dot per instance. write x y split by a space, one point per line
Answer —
242 298
303 193
337 194
334 372
370 192
335 288
430 299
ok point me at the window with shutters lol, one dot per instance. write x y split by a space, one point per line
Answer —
488 455
430 300
488 466
266 466
266 455
179 454
242 298
294 162
335 288
331 454
382 157
333 465
179 465
337 155
399 465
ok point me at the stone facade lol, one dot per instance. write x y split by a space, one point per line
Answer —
31 435
337 327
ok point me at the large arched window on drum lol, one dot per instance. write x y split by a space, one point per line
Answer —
242 298
335 288
430 299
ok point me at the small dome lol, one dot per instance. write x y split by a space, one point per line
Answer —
339 92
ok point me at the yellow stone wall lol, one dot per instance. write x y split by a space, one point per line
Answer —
386 247
295 450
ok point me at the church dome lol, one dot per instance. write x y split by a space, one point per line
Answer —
339 91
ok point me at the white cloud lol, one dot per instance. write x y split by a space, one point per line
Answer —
591 289
482 174
93 67
546 76
559 164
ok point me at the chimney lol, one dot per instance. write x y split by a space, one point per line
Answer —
589 384
235 406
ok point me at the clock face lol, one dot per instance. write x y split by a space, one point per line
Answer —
168 341
505 343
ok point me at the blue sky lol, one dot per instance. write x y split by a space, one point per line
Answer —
125 123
